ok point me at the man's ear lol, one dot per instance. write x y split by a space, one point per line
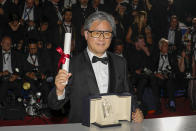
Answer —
86 34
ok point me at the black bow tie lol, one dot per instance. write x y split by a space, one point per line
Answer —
68 26
104 60
6 53
165 56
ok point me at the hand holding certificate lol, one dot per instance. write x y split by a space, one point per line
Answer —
63 75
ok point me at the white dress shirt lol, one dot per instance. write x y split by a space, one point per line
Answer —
32 59
171 37
7 64
69 3
28 13
68 27
163 63
101 72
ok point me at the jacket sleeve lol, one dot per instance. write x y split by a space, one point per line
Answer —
128 87
53 101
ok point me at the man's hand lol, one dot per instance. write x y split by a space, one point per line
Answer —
43 76
59 22
31 75
5 73
159 76
138 71
1 11
61 81
137 116
13 78
31 23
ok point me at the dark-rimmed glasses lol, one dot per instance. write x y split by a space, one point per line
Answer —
97 34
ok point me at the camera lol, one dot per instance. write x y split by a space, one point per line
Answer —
16 71
168 72
37 73
147 71
34 104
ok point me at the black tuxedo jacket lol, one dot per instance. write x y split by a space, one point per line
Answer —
37 12
44 62
83 84
178 38
50 12
79 16
17 61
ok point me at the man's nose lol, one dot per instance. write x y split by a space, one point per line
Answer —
101 37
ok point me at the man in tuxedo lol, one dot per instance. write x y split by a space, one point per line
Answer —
11 69
164 67
37 68
29 14
138 59
53 12
174 35
95 71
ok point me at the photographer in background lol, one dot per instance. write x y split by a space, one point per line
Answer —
138 58
164 66
11 69
37 69
186 67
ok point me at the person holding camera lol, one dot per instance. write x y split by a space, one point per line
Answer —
11 69
164 68
138 58
186 68
37 69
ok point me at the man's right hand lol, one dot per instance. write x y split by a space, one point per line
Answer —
5 73
61 81
159 76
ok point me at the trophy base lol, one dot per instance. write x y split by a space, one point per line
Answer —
107 125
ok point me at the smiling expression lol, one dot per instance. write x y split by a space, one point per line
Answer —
98 46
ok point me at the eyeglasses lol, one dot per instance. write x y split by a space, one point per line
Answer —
97 34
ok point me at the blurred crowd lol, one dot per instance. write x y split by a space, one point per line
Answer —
158 47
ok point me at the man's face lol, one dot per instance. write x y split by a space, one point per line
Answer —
118 1
44 26
135 2
174 23
194 23
33 48
96 2
56 1
68 16
98 45
83 2
118 49
6 44
164 48
30 3
140 43
15 22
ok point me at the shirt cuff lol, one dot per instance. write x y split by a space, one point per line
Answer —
61 97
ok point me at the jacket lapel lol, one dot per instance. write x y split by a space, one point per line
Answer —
111 69
1 60
12 60
89 73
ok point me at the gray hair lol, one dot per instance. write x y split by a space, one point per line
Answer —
162 41
100 15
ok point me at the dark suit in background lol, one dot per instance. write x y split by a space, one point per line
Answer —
17 61
158 83
44 68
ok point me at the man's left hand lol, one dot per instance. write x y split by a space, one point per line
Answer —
137 116
13 78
